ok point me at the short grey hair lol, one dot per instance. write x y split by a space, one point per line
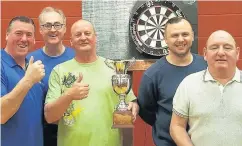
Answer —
51 9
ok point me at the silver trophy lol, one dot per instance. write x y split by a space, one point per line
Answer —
121 83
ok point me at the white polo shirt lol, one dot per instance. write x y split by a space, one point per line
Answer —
214 111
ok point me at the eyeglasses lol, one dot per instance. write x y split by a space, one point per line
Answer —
48 26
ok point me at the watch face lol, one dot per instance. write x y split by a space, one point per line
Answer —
147 26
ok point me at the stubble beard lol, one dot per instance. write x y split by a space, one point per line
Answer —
182 54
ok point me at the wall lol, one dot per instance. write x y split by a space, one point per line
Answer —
226 15
211 16
32 9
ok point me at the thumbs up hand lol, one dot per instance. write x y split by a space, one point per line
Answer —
78 90
35 71
79 79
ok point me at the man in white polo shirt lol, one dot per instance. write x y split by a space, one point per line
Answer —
210 101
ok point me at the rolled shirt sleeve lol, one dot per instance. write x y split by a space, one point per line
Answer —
54 91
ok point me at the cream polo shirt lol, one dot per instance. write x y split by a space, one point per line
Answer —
208 77
214 113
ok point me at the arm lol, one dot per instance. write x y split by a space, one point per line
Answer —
147 101
180 115
132 104
54 110
178 130
11 102
56 107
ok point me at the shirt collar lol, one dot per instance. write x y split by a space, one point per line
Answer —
9 59
237 77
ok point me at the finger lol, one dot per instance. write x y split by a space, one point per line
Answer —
39 62
42 74
134 118
31 60
130 105
83 88
85 85
83 95
84 92
134 112
42 66
79 79
135 109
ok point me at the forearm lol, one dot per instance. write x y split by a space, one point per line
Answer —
11 102
180 136
55 110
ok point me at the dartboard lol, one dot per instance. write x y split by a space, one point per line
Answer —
147 26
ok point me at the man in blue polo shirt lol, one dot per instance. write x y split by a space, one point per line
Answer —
21 89
52 28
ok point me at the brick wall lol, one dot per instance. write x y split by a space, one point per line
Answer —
215 15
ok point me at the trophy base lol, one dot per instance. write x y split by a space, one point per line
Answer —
123 119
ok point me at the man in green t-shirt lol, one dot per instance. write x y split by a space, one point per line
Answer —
80 95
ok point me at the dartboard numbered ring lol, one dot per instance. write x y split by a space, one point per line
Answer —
147 26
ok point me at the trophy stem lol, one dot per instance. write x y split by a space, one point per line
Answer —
122 105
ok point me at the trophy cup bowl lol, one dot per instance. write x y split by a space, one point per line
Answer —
121 83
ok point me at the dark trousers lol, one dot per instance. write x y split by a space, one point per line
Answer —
50 134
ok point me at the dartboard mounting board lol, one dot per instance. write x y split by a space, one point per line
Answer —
147 26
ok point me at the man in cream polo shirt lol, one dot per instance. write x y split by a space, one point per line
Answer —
210 101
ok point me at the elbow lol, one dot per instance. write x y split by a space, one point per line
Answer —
172 132
3 120
48 119
47 115
147 117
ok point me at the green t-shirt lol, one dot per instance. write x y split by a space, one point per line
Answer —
86 122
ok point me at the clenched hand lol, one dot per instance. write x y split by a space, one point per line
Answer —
35 71
78 90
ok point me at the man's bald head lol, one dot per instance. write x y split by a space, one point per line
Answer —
83 37
220 35
81 23
221 54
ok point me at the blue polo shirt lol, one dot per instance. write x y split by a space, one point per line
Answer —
25 126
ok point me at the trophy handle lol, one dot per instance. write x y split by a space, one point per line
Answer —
110 64
130 63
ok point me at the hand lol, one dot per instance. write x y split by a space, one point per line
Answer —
134 107
35 71
78 90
